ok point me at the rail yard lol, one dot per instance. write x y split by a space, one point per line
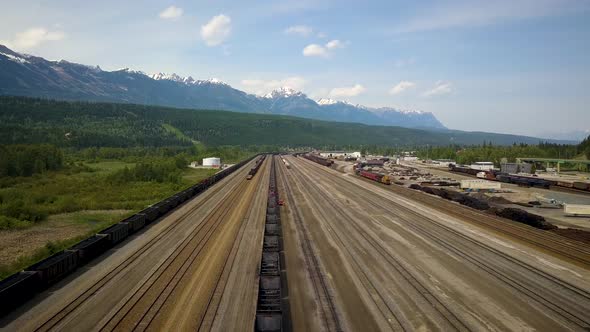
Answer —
288 242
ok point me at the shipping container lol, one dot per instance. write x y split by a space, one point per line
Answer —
580 185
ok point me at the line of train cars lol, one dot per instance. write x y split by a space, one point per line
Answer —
256 167
381 178
521 180
272 295
19 287
317 159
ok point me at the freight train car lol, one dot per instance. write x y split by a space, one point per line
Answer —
318 159
91 247
256 167
55 267
524 181
375 177
462 169
18 288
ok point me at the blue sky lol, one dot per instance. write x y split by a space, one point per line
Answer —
520 66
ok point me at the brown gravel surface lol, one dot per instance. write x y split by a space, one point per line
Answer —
393 263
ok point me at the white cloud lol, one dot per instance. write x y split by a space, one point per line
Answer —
322 35
352 91
217 30
324 51
301 30
171 12
33 37
440 88
333 44
401 87
315 50
261 87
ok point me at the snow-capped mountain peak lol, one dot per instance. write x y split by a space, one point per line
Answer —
329 101
284 92
326 101
189 80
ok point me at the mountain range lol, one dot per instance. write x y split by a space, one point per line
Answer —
32 76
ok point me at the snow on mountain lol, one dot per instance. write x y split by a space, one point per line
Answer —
14 58
28 75
284 92
186 80
326 101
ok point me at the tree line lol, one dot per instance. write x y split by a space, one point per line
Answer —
496 154
26 160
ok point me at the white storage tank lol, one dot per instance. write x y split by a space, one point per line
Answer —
212 162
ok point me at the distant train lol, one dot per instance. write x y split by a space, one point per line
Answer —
381 178
256 167
521 180
21 286
318 159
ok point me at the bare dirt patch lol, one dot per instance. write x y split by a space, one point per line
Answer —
60 227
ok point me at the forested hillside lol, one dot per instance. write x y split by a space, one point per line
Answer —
83 124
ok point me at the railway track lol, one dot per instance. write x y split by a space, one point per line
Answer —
62 315
549 242
572 250
445 312
144 311
329 312
215 299
559 301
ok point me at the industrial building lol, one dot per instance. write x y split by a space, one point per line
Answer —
336 154
483 165
514 168
212 162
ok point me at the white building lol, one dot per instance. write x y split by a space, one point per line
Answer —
336 154
213 162
443 162
483 165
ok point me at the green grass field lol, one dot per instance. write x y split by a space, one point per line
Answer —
81 201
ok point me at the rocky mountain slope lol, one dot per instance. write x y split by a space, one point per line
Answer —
27 75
